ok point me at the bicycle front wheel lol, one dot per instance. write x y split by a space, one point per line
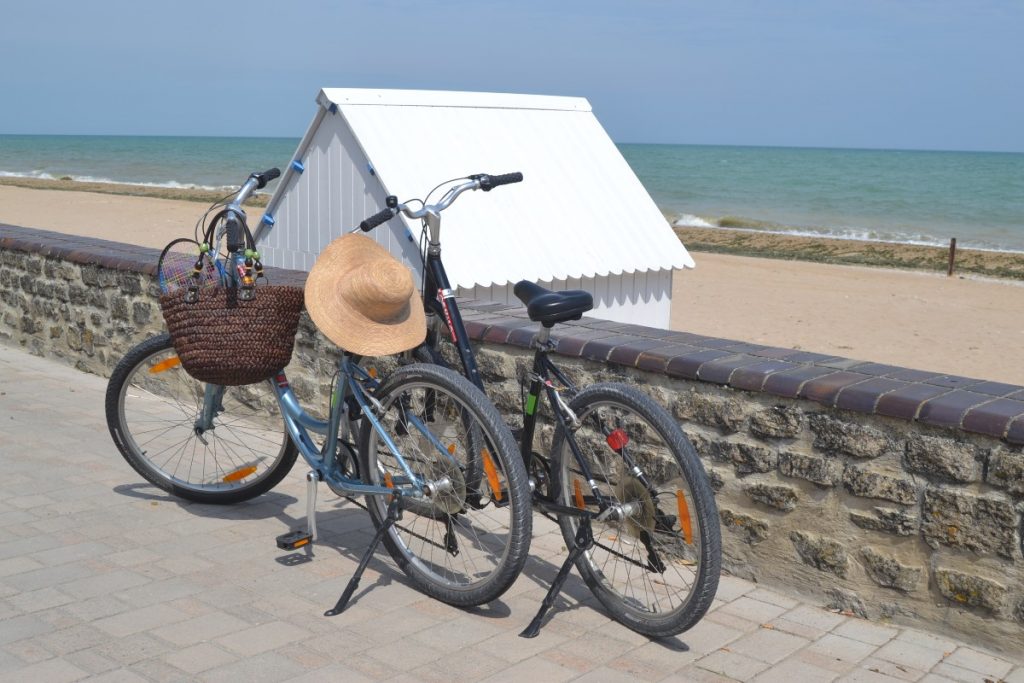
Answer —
656 557
153 412
466 539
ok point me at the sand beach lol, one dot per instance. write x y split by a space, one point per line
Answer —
901 309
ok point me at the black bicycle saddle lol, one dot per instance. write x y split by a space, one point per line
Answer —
547 307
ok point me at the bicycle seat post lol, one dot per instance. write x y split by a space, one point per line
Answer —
543 338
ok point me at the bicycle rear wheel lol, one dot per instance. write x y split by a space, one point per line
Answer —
656 560
466 540
152 408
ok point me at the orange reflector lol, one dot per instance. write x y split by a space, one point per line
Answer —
299 544
171 362
617 439
451 449
684 517
388 481
372 372
578 493
492 474
240 473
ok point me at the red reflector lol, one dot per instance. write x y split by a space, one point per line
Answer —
617 440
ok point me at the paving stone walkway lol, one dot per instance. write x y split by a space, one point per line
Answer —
103 577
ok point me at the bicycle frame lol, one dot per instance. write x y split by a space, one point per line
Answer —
299 423
324 460
444 307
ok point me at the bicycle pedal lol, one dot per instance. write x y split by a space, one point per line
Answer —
294 539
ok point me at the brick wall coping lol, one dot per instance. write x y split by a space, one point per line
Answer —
984 407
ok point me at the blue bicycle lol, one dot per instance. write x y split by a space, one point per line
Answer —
439 469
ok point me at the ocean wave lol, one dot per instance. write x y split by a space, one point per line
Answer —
742 224
170 184
688 220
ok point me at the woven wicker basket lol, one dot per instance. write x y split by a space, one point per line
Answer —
222 340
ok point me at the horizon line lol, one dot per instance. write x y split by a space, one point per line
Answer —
617 142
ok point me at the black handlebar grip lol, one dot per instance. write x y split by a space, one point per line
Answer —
489 182
376 219
234 232
263 178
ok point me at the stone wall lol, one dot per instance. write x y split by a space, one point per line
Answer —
894 494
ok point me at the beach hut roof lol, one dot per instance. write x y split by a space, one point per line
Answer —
580 211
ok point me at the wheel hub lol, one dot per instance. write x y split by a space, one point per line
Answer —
637 507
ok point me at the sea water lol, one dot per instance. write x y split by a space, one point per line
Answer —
889 195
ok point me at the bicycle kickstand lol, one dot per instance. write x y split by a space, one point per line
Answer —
393 515
583 542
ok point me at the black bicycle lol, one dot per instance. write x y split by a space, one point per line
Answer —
624 483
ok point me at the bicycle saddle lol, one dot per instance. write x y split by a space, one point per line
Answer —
547 307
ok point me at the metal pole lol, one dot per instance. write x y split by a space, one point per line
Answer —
952 256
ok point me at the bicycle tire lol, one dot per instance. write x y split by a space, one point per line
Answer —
490 523
656 571
151 409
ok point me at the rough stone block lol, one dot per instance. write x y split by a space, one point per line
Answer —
838 437
495 367
129 283
779 497
90 275
118 307
776 422
749 459
718 450
847 602
964 520
889 520
14 300
820 552
970 589
725 414
943 457
1018 612
867 484
715 479
33 264
1006 470
889 572
77 294
821 471
142 312
750 530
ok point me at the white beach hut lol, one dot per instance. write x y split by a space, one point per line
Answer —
579 220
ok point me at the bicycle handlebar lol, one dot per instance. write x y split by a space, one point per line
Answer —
263 178
376 219
489 182
255 181
479 181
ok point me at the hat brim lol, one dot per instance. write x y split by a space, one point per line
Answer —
345 325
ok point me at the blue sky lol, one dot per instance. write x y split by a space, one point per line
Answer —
902 74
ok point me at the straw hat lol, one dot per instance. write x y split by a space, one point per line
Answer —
363 299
